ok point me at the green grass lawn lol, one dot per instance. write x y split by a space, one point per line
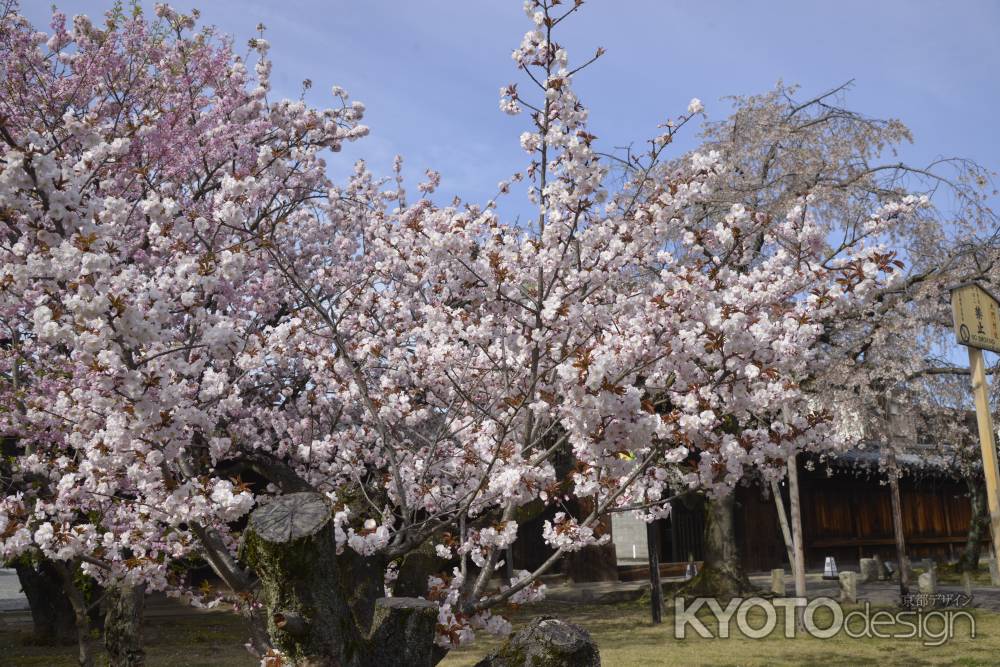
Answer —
626 637
947 574
623 632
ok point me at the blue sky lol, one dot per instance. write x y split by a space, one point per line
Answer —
429 71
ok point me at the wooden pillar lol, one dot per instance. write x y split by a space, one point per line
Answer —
653 549
986 442
786 532
859 529
674 533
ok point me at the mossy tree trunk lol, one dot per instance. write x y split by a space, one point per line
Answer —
123 625
978 524
51 612
329 609
722 574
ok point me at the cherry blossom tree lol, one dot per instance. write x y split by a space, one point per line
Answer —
139 161
787 154
202 322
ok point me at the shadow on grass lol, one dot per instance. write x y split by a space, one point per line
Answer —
623 632
195 640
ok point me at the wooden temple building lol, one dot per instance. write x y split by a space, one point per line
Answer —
846 513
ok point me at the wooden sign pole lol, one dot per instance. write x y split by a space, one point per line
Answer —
786 532
897 522
655 587
976 315
986 441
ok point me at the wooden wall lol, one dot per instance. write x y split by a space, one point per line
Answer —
843 516
851 518
757 530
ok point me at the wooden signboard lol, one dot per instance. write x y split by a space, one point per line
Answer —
977 317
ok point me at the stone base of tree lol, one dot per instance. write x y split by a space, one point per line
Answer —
718 582
547 642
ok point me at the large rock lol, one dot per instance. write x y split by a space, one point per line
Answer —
546 642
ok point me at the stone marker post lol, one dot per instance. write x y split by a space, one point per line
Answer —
869 570
927 582
848 587
778 581
967 583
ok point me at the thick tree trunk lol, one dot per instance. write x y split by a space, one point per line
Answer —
594 563
327 609
51 612
978 523
123 625
81 611
722 574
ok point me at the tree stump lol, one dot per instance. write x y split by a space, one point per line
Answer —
883 571
967 583
324 608
414 571
291 517
290 544
546 642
